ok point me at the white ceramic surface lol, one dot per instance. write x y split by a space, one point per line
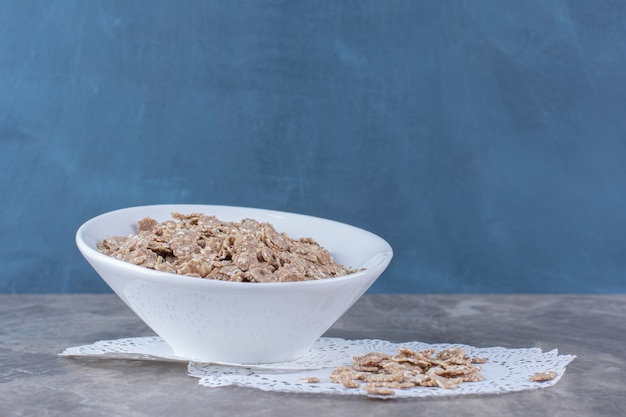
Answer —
207 320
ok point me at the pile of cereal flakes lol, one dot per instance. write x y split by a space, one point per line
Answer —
380 373
203 246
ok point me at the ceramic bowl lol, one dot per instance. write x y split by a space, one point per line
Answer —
237 322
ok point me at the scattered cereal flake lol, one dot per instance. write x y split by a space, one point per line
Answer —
310 379
543 376
378 390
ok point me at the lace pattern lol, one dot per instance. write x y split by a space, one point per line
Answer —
507 370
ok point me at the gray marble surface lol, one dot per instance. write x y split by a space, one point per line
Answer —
34 381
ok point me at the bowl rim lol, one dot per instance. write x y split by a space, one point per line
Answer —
379 260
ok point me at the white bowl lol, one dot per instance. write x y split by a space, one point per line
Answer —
237 322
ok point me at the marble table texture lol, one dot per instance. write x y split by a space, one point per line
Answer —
35 381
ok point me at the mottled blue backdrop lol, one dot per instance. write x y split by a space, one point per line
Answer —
485 140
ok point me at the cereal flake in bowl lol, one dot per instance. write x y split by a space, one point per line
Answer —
233 284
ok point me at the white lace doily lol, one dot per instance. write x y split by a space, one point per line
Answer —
507 370
151 348
325 353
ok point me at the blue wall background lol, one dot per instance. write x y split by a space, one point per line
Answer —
485 140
